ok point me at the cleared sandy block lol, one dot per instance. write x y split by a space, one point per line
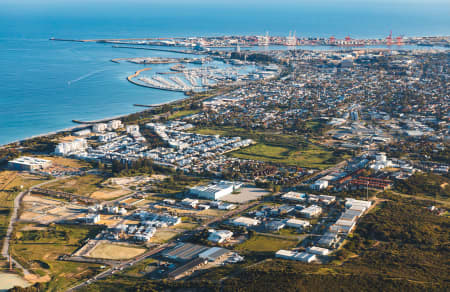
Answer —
131 222
41 200
47 219
42 208
109 220
142 203
108 195
127 181
131 201
31 199
62 212
28 216
115 251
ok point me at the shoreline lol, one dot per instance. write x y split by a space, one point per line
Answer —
85 124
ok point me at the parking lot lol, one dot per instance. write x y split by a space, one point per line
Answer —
245 195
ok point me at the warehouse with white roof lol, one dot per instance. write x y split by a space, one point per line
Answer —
215 190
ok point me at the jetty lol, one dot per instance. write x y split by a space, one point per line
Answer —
160 50
136 74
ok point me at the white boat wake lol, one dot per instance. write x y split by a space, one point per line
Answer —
84 76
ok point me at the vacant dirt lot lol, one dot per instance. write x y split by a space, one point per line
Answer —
46 210
108 195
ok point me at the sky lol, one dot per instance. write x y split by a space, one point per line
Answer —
374 18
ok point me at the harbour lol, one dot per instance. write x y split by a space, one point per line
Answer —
41 84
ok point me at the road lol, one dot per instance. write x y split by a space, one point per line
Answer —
119 267
14 218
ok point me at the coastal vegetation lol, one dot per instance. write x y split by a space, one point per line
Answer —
263 243
427 185
137 167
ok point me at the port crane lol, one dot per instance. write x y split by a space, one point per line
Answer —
389 39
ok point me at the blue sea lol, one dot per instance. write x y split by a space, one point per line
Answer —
45 84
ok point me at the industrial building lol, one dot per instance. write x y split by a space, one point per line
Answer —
329 239
311 211
214 253
190 202
219 236
29 163
185 252
186 268
275 225
343 226
319 185
296 223
318 250
215 190
296 256
294 196
351 203
245 221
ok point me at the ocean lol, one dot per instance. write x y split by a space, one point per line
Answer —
45 84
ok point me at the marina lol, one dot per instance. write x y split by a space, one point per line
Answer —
204 73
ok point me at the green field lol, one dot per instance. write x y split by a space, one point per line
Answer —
313 156
182 113
262 243
279 148
39 250
223 131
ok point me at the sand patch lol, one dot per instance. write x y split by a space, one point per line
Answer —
37 279
102 195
